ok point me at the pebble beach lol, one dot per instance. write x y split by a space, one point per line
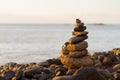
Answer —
74 63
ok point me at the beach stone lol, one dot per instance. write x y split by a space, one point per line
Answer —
94 56
116 67
76 62
79 46
70 71
87 73
44 64
8 75
111 55
79 29
105 73
10 65
31 72
48 62
107 61
98 65
25 79
64 49
65 52
116 51
75 40
64 78
19 74
78 54
78 21
79 24
1 78
101 58
14 78
79 33
52 68
116 76
42 76
60 71
54 61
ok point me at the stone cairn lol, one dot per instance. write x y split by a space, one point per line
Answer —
74 52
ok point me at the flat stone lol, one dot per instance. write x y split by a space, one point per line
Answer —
31 72
64 78
78 54
70 71
116 51
78 21
76 62
79 33
10 65
107 61
60 71
88 73
111 55
75 40
116 76
116 67
77 47
64 50
8 75
19 74
79 24
80 29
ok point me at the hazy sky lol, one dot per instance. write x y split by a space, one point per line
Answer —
59 11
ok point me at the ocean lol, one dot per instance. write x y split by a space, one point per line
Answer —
24 43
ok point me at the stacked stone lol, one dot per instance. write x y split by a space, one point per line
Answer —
74 52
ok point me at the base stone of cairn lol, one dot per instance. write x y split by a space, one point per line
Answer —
74 53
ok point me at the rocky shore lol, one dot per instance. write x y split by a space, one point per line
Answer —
74 63
106 67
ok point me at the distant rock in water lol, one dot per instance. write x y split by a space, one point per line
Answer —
96 24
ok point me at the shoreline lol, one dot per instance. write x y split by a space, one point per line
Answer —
106 67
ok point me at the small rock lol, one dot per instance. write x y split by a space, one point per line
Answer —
64 78
75 40
87 73
101 58
116 76
19 74
8 74
107 61
116 67
78 54
60 71
44 64
71 71
43 76
31 72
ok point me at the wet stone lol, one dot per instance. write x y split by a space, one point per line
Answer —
75 40
79 33
70 71
8 74
116 67
78 54
87 73
64 78
77 29
31 72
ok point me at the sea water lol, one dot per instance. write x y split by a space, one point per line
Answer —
24 43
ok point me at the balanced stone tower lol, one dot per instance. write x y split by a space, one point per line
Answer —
74 52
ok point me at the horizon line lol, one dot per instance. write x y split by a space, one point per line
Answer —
56 23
